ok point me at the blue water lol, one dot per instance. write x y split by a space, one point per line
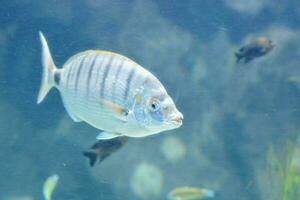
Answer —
233 113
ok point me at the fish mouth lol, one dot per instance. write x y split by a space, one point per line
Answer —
177 121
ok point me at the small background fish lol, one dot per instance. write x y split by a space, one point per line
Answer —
255 49
104 148
190 193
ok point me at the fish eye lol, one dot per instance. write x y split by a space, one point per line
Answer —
154 105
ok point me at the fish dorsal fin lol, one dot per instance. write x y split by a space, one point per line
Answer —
107 135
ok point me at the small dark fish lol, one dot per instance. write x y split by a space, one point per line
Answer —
103 148
257 48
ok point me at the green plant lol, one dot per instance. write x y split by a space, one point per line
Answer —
285 165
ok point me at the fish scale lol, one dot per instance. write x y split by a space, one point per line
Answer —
75 95
110 92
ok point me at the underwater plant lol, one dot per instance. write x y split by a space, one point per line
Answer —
285 166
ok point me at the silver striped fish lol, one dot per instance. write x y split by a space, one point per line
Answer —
111 93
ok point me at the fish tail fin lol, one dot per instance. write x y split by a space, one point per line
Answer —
92 156
48 70
238 57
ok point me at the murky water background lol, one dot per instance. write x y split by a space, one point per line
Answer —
234 114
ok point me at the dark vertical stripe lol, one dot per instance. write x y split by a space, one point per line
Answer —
73 73
79 69
90 74
106 71
128 82
71 67
119 68
99 68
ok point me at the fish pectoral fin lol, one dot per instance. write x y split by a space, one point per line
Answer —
107 135
125 116
118 111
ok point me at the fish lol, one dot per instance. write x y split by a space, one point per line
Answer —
110 92
49 186
254 49
190 193
104 148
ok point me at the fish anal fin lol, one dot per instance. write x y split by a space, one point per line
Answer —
74 117
70 113
106 135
